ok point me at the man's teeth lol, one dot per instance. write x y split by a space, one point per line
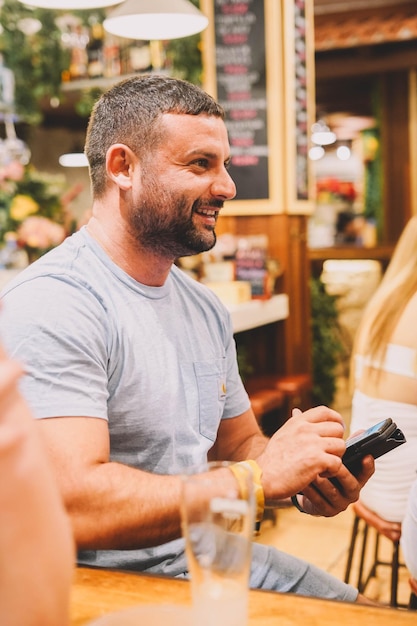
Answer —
208 212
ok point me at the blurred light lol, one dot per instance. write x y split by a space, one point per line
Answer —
29 26
343 153
315 153
73 159
54 102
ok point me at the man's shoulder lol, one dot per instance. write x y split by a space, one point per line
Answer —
70 262
59 277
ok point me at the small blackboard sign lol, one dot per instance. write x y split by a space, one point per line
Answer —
251 263
241 90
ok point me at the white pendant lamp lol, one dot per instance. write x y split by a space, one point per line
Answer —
155 19
73 159
322 135
69 4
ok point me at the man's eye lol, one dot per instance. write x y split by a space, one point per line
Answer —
201 163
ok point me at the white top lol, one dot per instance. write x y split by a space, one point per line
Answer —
387 490
400 360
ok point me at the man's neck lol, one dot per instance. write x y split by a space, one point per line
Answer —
141 264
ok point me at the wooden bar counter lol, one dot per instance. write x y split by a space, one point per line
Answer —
97 592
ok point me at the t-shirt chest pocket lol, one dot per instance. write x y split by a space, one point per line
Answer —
211 384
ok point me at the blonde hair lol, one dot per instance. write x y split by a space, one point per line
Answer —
386 306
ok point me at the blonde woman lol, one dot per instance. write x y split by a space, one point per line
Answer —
36 544
384 370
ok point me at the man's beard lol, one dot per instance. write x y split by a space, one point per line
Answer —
163 224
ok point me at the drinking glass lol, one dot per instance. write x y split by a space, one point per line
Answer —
218 516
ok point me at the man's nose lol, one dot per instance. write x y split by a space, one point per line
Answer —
223 186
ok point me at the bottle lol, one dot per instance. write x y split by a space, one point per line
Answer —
95 57
79 58
140 59
111 57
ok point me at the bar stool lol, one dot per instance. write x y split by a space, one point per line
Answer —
364 521
267 403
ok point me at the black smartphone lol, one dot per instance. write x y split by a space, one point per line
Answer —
377 440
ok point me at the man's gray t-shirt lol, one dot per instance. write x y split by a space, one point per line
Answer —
159 363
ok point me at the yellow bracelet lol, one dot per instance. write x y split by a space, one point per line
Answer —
256 477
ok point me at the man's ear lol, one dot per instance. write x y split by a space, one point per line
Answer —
120 161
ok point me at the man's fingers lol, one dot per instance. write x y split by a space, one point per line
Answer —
319 414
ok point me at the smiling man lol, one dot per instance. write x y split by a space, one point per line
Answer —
131 364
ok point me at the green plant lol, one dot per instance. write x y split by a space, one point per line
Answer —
184 56
37 59
326 344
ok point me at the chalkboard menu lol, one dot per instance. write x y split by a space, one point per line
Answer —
241 90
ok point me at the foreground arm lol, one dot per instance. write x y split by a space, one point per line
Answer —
35 536
113 506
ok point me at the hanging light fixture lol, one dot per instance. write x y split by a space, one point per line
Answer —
73 159
69 4
321 134
155 19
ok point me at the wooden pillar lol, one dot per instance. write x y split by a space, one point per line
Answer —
395 141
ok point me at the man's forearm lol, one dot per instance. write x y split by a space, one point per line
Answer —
119 507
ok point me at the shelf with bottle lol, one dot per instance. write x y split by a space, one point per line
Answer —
99 59
102 82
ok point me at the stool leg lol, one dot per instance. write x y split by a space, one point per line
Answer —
360 584
373 572
394 572
351 548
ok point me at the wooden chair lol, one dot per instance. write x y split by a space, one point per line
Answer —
297 390
294 389
267 404
366 521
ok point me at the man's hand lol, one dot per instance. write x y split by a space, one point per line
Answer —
307 446
328 497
